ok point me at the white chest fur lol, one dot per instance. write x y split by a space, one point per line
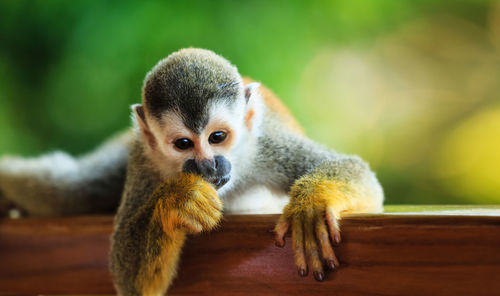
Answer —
256 200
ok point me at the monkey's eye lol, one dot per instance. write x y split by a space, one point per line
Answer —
183 143
217 137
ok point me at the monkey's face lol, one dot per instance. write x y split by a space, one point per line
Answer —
208 150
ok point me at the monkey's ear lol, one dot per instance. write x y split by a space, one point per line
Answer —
253 116
251 89
139 115
140 118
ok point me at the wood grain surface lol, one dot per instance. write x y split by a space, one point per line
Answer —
390 254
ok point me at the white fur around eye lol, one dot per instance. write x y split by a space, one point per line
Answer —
227 117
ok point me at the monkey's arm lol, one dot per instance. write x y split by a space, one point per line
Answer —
150 230
323 186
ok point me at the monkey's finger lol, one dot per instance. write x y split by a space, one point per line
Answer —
298 246
209 221
206 220
197 207
312 250
207 196
326 247
199 219
281 229
189 223
215 201
333 224
212 200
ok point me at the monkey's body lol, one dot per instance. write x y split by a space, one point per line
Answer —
165 198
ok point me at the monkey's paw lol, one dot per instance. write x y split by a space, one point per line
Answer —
313 213
188 202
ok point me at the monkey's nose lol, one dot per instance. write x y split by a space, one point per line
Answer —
207 167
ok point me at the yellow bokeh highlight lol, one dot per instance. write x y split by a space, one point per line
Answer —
468 163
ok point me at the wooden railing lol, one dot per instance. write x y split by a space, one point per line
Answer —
452 251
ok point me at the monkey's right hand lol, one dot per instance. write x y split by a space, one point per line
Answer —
187 202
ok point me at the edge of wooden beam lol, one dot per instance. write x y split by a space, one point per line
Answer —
398 253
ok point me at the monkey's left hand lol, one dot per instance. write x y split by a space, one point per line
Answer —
313 213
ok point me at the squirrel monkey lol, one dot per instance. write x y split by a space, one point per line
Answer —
202 134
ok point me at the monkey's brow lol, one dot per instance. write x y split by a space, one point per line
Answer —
227 84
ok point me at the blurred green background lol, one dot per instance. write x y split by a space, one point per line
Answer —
411 86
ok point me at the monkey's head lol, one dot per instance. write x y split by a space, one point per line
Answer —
195 113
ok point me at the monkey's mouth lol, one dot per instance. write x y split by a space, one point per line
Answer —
219 181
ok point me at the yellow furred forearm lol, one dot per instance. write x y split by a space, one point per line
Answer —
155 276
181 207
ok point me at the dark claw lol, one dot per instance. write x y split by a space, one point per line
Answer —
279 245
331 264
319 276
303 272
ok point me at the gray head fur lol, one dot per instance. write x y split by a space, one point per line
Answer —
188 82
